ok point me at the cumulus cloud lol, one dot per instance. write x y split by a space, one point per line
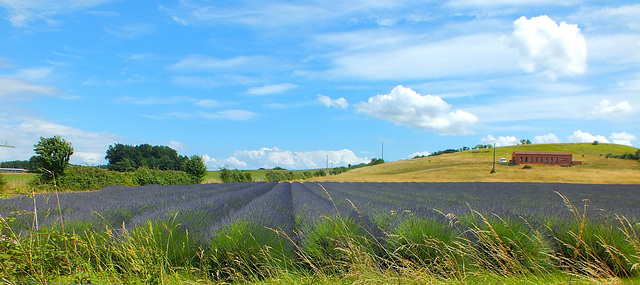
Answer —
326 101
548 138
500 141
23 133
272 157
271 89
605 108
420 153
404 106
623 138
582 137
549 47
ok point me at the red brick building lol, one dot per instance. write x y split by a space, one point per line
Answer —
551 158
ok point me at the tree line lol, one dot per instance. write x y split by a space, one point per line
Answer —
128 165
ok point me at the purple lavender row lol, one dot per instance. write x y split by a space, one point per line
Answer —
198 213
116 204
272 210
309 207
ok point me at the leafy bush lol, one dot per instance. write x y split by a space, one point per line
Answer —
194 166
527 166
279 176
235 175
92 178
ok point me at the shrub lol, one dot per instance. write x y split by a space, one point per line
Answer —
278 176
527 166
93 178
235 175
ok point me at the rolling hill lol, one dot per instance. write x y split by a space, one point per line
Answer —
475 166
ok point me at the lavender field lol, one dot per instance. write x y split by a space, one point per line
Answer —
206 208
298 221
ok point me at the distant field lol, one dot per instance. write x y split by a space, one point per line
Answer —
475 165
214 176
17 181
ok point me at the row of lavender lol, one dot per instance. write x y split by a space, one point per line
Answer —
296 207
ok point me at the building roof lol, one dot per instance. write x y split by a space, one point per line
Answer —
541 152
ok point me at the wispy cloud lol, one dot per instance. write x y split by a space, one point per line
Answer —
22 13
196 63
271 89
129 31
10 87
231 115
458 56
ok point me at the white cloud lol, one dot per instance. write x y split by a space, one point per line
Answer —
498 3
547 46
129 32
178 146
326 101
459 56
272 157
17 87
404 106
23 133
32 74
545 139
623 138
420 153
234 115
271 89
500 141
581 137
605 108
21 12
194 63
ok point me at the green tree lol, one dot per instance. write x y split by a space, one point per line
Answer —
52 157
194 166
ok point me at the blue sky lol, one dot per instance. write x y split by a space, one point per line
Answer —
253 84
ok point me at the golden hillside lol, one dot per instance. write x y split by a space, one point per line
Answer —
476 165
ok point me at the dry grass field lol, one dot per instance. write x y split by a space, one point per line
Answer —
476 165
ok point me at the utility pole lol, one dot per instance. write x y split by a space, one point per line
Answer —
327 161
382 151
494 159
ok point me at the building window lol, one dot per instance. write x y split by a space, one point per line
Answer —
563 159
521 159
546 159
556 160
